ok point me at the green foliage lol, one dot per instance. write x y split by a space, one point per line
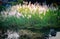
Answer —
20 1
17 2
2 8
13 3
8 22
58 17
40 20
31 18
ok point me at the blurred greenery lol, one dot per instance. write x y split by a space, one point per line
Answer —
2 8
31 19
40 20
17 2
20 1
50 19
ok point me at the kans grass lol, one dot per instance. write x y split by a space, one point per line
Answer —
32 16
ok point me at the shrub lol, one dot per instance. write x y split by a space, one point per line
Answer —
30 15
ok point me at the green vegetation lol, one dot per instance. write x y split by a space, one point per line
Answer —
35 18
2 8
29 20
38 19
17 2
20 1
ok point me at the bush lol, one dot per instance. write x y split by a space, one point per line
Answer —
38 17
31 16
